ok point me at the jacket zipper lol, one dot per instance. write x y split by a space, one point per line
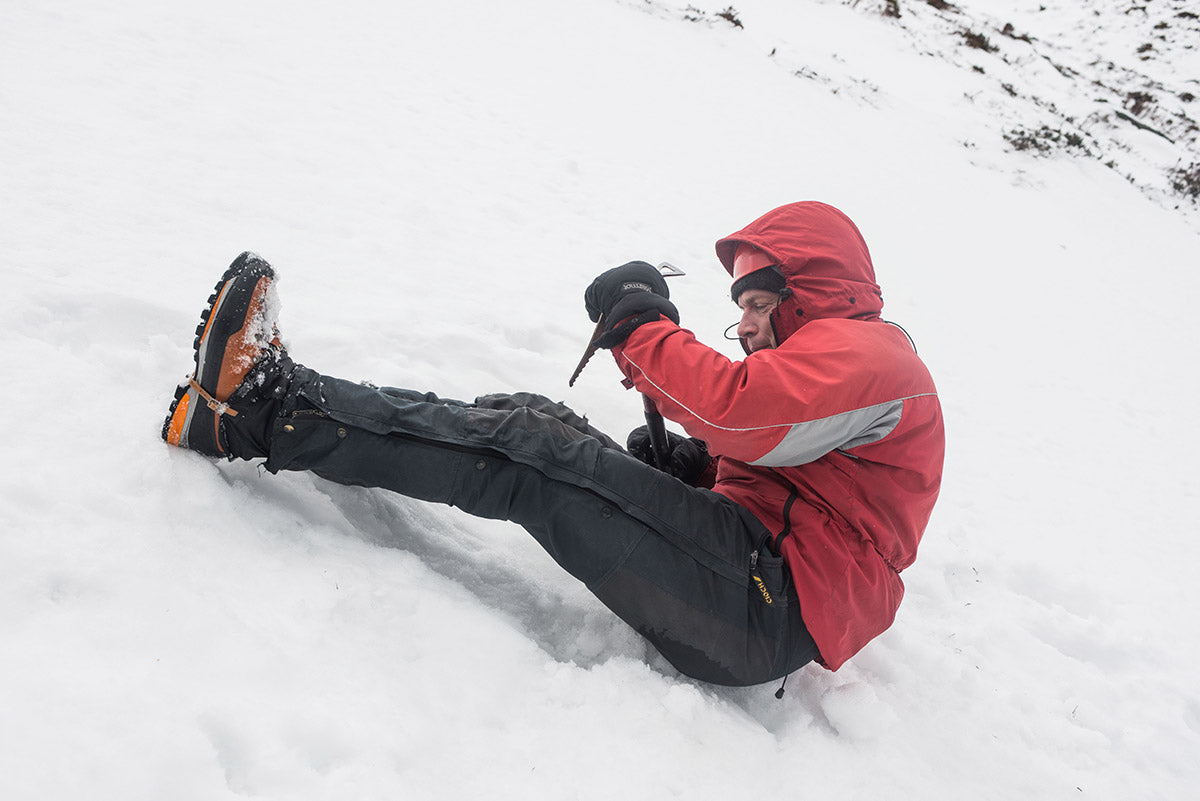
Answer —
787 522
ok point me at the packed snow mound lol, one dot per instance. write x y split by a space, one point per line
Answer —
436 183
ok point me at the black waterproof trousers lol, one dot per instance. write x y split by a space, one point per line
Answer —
687 568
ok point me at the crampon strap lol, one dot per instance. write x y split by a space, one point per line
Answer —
214 404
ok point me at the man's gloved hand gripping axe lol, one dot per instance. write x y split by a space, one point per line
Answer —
618 301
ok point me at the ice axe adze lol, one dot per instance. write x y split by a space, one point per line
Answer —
654 420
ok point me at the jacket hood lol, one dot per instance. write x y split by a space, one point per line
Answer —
824 261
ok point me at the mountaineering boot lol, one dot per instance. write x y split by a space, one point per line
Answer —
224 408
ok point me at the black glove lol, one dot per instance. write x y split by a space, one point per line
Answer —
628 296
687 457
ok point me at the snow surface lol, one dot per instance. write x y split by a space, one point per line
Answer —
436 183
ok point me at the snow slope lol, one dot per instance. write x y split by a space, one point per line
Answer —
436 184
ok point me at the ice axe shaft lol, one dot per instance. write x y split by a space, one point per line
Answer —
658 434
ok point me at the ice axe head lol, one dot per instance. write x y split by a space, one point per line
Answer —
668 270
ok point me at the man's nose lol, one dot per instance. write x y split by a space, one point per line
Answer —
747 326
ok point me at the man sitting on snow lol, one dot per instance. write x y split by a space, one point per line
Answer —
826 447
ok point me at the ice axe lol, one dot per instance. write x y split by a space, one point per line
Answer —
655 424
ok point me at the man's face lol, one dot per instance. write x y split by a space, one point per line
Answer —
755 326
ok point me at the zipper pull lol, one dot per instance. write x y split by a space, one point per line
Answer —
758 582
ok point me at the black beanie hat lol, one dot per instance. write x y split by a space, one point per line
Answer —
768 278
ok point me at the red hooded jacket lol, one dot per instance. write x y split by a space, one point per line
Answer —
833 439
